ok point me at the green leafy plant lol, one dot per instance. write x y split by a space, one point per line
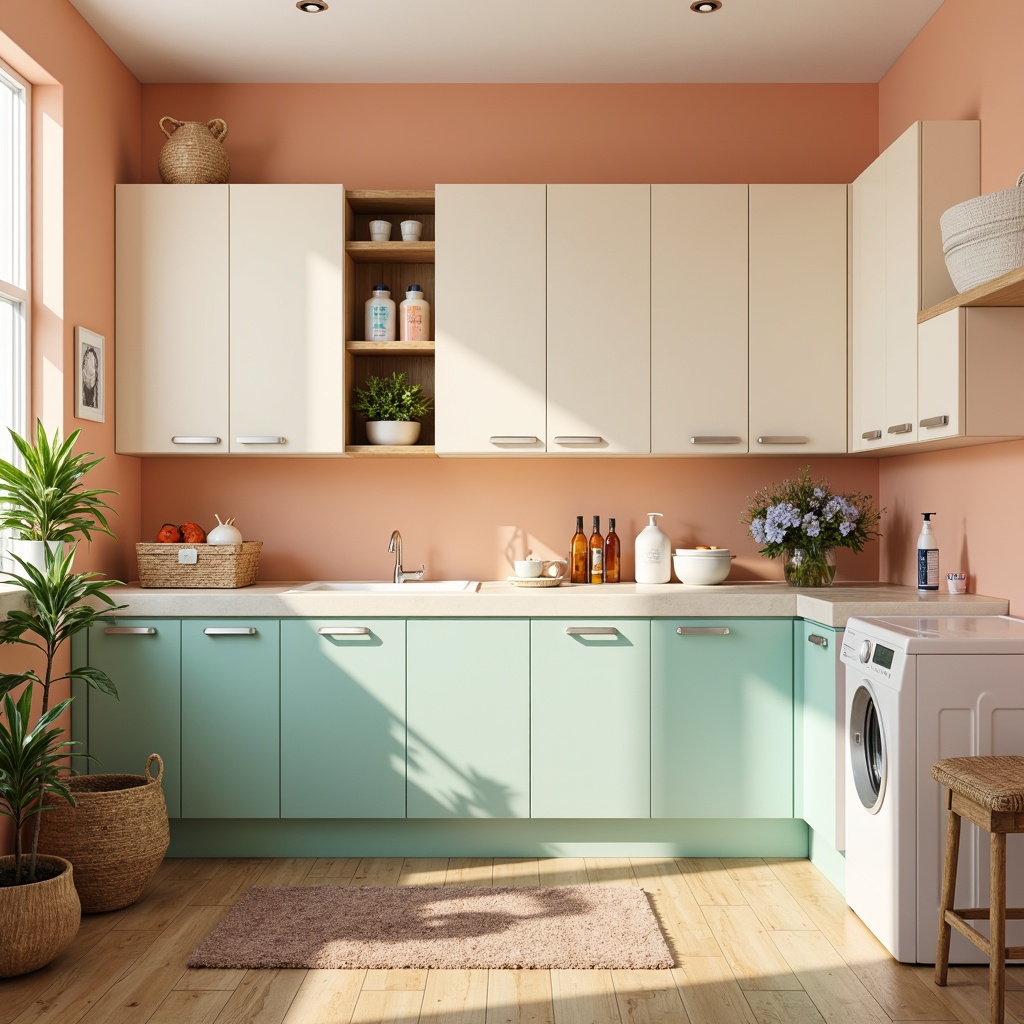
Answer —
391 398
46 500
31 767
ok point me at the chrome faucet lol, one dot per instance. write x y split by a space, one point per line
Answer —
395 545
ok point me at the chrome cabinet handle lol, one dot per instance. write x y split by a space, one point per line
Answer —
591 631
198 439
702 630
583 439
259 439
818 639
129 631
782 439
934 421
514 439
900 428
871 435
715 439
344 630
230 630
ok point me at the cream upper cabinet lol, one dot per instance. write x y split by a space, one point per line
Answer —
699 287
171 352
491 347
229 319
286 317
798 272
898 269
970 364
599 319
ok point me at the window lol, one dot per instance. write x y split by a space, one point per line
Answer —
14 98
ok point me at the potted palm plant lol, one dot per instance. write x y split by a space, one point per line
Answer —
392 408
45 502
39 908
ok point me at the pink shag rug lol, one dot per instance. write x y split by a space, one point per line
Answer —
436 927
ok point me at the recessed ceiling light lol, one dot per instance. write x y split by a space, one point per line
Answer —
705 6
311 6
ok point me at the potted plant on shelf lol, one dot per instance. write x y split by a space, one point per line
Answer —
392 408
45 502
39 908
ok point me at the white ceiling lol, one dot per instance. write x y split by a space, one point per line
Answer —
526 41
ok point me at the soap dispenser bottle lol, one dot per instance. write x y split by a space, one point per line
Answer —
414 316
927 558
653 553
380 315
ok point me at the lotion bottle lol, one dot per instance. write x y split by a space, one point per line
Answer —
653 553
414 316
380 315
927 558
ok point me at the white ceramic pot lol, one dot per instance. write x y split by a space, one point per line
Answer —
30 551
392 431
700 567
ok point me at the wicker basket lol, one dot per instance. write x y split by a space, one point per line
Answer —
983 238
211 565
193 154
116 835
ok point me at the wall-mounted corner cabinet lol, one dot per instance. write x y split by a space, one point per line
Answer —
897 269
229 319
397 264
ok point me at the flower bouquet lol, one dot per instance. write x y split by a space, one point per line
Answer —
805 522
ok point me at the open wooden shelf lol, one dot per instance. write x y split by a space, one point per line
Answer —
390 348
1007 290
370 450
405 200
390 252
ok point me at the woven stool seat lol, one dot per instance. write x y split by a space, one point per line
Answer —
996 783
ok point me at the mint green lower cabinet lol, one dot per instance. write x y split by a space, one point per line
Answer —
722 718
820 709
469 718
343 718
143 659
230 718
590 718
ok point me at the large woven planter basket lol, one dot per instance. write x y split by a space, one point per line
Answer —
983 238
193 154
37 920
116 835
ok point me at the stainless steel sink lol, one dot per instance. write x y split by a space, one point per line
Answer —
374 587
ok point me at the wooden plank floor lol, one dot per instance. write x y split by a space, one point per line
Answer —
755 942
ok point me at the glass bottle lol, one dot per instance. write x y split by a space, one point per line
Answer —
597 553
578 554
611 554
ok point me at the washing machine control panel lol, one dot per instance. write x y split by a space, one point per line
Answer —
871 657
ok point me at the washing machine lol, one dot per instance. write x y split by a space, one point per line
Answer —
919 690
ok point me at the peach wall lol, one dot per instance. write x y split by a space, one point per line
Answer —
330 518
965 63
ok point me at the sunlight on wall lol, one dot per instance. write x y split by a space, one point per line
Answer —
50 235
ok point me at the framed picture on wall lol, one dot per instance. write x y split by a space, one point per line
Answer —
90 364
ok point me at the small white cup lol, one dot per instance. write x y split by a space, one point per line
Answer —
380 230
528 568
956 582
411 230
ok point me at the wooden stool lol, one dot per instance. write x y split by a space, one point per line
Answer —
988 791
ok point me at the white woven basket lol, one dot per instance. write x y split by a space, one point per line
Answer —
984 237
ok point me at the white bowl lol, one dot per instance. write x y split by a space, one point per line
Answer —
701 568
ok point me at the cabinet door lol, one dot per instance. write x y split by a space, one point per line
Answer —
491 286
599 319
698 319
941 376
868 287
469 726
342 718
798 318
722 718
819 703
590 716
171 254
287 336
143 659
230 718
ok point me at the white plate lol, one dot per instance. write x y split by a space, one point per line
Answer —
535 581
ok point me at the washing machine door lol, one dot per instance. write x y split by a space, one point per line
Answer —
869 762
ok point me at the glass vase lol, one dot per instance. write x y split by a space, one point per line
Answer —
804 567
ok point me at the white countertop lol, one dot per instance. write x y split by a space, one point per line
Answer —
831 606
